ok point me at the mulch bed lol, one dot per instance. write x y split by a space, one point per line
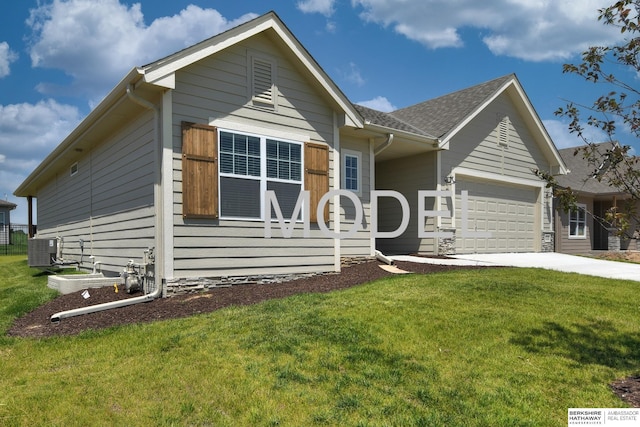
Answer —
37 324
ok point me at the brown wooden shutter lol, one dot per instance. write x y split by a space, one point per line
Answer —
316 164
199 171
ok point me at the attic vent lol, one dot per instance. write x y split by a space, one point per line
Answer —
262 82
503 132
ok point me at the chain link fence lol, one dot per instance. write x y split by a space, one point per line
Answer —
13 239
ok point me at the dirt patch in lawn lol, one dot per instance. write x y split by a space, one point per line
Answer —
37 323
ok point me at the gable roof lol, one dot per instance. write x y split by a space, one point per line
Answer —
441 118
441 115
154 78
162 71
580 177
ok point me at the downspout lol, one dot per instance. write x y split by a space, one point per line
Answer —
55 318
380 148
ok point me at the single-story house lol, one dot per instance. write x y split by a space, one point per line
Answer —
181 154
585 229
5 221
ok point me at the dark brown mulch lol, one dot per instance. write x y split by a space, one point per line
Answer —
628 389
37 323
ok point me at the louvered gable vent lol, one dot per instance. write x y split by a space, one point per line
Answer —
263 81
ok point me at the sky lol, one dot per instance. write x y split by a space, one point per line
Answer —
59 58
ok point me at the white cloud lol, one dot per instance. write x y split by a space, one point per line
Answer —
531 29
28 132
352 75
379 103
559 132
324 7
7 56
97 43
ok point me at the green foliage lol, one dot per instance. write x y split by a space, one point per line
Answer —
619 106
467 348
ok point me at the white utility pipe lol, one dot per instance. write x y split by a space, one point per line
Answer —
382 257
55 318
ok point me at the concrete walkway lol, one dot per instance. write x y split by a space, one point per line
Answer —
547 260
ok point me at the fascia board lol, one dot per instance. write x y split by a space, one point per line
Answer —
160 73
524 99
449 135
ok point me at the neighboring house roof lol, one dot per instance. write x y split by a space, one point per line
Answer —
4 205
580 178
156 77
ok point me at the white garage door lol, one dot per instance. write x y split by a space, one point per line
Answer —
507 213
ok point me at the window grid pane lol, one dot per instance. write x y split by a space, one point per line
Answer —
239 154
351 172
284 160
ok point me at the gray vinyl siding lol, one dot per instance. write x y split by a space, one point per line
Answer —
359 245
406 175
572 245
108 204
217 88
476 146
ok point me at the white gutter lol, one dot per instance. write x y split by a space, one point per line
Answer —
380 148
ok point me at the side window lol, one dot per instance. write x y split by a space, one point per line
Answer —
352 171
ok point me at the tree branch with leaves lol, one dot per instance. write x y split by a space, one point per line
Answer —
613 163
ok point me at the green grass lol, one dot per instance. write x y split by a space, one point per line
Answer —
500 347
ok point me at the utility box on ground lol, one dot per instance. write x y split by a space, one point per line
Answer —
41 252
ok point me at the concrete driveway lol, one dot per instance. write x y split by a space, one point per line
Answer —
559 262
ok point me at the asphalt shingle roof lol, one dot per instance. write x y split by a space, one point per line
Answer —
579 179
440 115
387 120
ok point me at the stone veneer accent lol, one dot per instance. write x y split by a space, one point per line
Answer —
447 245
201 284
548 241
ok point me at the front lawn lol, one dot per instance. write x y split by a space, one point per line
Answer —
492 347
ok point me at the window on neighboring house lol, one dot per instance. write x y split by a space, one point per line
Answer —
352 171
249 165
2 220
578 222
74 169
263 81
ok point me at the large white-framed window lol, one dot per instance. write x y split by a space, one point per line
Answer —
578 222
251 164
352 171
